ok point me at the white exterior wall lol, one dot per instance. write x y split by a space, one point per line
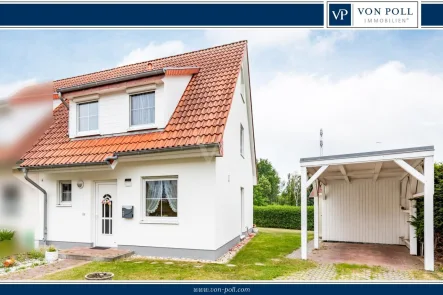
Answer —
233 172
196 205
364 211
114 107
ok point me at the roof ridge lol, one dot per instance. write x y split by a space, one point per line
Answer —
153 60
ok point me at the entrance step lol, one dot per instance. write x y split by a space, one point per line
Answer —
83 253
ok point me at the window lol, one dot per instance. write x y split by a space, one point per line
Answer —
242 84
242 140
143 109
65 192
10 200
88 116
161 198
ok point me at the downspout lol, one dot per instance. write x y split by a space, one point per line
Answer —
60 97
45 205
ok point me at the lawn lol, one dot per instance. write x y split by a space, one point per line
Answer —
269 247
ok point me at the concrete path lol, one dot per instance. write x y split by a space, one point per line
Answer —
39 271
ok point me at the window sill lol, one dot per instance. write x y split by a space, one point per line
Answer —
142 127
167 220
64 205
87 133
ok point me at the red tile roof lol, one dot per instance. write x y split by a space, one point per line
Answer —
199 118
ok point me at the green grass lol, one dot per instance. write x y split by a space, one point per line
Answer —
269 247
345 270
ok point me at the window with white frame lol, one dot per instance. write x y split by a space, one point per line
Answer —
10 200
65 192
160 197
143 109
242 140
242 85
87 115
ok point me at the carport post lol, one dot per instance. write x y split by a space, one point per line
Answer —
429 213
304 214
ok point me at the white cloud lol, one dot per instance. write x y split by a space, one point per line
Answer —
154 50
10 88
390 104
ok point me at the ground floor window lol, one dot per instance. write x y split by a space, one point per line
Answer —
161 198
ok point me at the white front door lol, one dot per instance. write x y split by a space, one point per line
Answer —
105 200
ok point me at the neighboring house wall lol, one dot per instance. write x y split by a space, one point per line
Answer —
233 172
196 205
114 107
364 211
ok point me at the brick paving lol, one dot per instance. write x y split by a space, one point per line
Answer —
328 272
389 256
40 271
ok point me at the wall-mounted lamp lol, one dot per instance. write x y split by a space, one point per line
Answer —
128 182
80 184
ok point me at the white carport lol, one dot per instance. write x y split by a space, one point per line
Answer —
369 198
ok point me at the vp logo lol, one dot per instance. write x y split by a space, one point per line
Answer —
340 14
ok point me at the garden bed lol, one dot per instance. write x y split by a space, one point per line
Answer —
23 261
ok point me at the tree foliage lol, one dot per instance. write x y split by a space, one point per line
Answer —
268 186
291 193
418 222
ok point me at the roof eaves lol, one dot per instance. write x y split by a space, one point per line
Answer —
369 154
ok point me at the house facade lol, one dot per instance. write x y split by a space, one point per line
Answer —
156 157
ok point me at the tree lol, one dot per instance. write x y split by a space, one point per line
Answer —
262 191
418 221
291 192
266 170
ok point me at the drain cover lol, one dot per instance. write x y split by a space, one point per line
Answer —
100 248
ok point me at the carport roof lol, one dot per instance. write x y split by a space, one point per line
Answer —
369 154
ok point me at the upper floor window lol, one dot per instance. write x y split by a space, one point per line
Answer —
242 140
242 85
88 116
143 109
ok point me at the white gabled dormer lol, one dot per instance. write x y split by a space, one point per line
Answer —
124 108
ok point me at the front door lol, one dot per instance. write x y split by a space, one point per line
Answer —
105 200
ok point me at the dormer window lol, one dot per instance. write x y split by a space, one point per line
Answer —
143 109
87 116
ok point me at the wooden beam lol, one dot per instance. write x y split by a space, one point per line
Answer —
377 170
316 175
343 171
409 169
414 165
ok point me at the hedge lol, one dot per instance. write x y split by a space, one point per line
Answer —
282 216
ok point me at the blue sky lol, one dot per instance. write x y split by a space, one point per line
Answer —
362 87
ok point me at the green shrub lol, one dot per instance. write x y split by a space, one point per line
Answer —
36 254
282 216
51 249
6 235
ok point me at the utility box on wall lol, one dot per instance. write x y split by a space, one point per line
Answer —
127 212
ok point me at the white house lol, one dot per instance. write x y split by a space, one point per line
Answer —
157 157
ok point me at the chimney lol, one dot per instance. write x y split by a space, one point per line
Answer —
149 67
